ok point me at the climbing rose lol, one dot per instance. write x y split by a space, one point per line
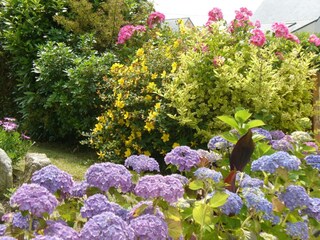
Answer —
315 40
280 30
258 38
127 31
155 18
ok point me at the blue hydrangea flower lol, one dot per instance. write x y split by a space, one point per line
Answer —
142 208
149 227
298 230
107 175
210 156
79 189
35 199
58 229
182 179
106 225
282 145
206 173
167 187
272 162
183 157
277 134
3 229
301 137
233 204
20 221
12 238
262 132
142 163
313 208
294 197
313 160
247 181
219 143
41 237
99 203
53 179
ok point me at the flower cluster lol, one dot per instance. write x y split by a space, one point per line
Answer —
298 230
258 38
211 157
204 173
127 31
20 221
9 124
214 15
35 199
155 18
301 137
313 208
142 163
282 145
218 143
183 157
79 189
61 230
107 175
295 197
233 205
277 134
313 160
167 187
281 31
315 40
272 162
262 132
53 179
246 181
3 228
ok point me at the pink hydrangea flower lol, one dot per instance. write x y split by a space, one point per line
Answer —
258 38
154 18
218 61
127 31
293 38
215 14
280 30
314 39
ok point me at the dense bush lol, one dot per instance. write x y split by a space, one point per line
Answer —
176 85
276 197
64 101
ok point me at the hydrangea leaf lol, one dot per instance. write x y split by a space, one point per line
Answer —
242 115
174 228
229 120
255 123
196 185
202 214
218 199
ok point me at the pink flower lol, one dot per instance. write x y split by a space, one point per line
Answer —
314 39
279 55
218 61
243 15
155 18
258 38
215 15
127 31
257 24
293 38
280 30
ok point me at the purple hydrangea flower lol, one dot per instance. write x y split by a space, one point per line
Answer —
282 145
254 198
35 199
53 179
219 143
277 134
20 221
10 238
301 137
99 203
142 208
107 175
58 229
294 197
298 230
3 229
313 160
313 208
313 145
167 187
182 179
206 173
41 237
262 132
233 204
149 227
8 124
142 163
79 189
247 181
183 157
272 162
106 225
210 156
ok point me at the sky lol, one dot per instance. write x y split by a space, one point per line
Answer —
198 10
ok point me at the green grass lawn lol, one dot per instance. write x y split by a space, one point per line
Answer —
73 161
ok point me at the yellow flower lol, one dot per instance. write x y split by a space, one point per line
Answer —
148 98
119 104
138 134
127 153
174 67
101 119
110 114
149 126
117 152
175 145
121 81
101 154
115 67
165 137
154 76
176 43
126 115
152 115
151 86
147 153
140 52
157 106
98 127
164 74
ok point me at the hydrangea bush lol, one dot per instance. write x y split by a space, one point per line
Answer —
275 197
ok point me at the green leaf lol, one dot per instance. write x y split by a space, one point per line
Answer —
229 120
229 137
196 185
202 214
218 199
242 116
174 227
255 123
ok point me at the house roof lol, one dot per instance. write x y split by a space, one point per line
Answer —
294 13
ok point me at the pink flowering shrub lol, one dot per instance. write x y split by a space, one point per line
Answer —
155 18
314 39
258 38
127 31
214 15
